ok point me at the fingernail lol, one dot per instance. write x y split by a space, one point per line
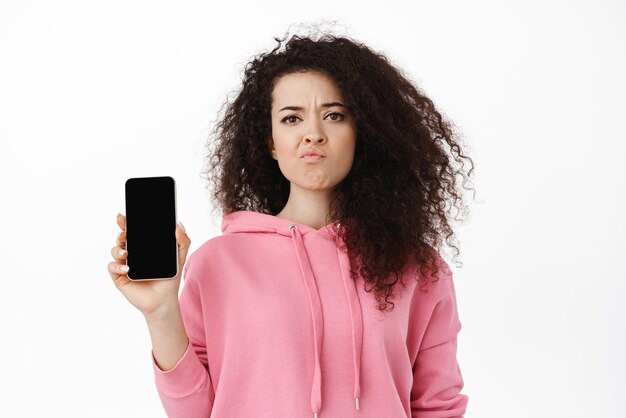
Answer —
182 226
122 252
124 268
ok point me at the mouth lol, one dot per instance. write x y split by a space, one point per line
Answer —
312 158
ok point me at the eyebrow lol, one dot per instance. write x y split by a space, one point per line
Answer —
331 104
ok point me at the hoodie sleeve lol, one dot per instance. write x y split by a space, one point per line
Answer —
186 389
437 379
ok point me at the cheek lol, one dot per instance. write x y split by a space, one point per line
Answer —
346 149
344 165
340 162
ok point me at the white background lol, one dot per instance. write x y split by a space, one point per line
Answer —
95 92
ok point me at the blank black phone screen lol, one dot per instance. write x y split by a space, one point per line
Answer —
150 228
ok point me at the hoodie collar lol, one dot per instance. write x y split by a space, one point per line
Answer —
249 221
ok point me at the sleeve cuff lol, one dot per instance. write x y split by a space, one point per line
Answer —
187 376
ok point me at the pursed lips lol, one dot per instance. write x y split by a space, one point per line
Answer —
313 152
312 157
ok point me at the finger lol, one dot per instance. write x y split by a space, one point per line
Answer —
121 236
121 239
121 221
119 254
117 274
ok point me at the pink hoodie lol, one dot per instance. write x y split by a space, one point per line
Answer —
278 329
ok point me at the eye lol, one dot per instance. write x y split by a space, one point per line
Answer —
338 114
288 118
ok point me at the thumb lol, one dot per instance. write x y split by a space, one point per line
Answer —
183 242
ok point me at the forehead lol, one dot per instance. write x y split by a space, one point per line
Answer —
298 88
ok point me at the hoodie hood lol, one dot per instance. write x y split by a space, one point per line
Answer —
255 222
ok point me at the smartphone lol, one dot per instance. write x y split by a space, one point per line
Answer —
151 228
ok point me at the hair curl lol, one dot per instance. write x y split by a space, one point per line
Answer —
395 201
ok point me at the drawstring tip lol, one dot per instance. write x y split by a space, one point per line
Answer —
357 403
314 414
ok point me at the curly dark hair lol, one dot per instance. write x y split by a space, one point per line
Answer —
395 201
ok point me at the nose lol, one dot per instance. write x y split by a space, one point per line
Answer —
315 133
314 139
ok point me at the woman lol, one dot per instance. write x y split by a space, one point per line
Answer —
331 171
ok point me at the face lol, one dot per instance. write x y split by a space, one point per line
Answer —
307 113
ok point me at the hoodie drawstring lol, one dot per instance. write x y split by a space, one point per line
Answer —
356 319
